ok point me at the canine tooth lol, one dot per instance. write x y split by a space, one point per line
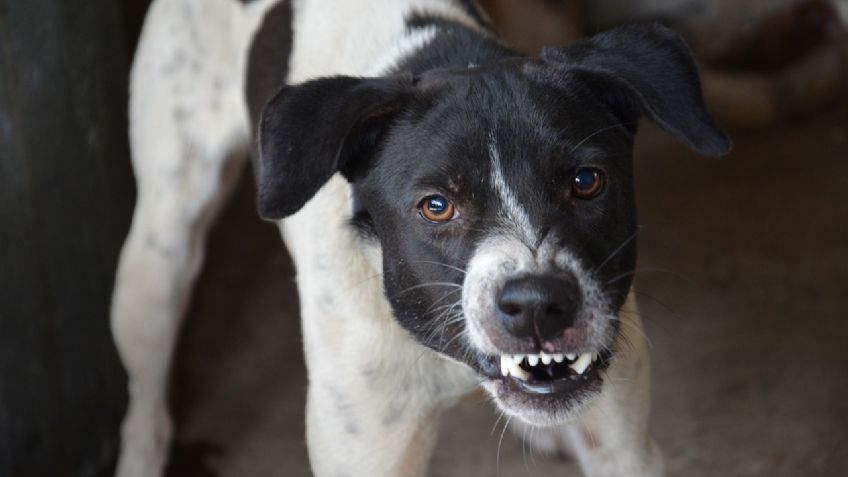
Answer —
505 365
559 358
532 359
517 358
570 356
546 358
582 363
517 372
594 357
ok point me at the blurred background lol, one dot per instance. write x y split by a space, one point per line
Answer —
743 260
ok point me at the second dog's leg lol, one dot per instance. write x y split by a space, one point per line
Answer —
188 135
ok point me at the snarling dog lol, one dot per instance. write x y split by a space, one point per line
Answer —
459 215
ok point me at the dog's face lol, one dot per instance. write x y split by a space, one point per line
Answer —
501 199
504 209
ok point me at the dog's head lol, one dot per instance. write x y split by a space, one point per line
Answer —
500 196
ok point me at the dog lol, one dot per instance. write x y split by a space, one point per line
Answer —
459 215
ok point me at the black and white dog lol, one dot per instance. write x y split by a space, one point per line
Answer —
459 215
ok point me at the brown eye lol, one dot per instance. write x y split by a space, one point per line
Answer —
436 209
587 183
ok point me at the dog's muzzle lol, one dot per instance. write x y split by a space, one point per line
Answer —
540 326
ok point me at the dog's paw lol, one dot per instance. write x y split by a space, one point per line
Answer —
145 442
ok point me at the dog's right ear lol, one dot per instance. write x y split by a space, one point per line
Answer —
310 131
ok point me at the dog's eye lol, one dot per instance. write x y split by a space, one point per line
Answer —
587 183
436 209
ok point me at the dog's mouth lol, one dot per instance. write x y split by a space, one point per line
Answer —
550 384
551 373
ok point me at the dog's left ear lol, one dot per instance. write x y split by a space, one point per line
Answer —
646 70
310 131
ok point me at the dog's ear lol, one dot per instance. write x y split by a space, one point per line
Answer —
646 70
310 131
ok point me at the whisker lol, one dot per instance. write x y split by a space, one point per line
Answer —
433 307
638 330
656 300
361 282
500 441
424 285
460 270
617 250
599 131
646 270
524 450
500 416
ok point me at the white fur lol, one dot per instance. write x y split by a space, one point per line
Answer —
514 214
374 394
189 137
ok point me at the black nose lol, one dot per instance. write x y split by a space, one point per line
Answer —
540 306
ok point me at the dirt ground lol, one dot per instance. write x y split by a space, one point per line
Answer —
744 262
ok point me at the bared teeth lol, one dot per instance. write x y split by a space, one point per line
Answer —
510 368
583 362
511 363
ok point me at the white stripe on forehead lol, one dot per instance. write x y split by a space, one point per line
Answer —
515 214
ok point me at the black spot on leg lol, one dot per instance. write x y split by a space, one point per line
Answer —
371 372
219 84
152 243
394 411
195 66
325 301
177 62
344 410
181 114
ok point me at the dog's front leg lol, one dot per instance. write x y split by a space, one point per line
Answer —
375 399
189 139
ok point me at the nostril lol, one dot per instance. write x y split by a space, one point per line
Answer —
554 310
511 309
